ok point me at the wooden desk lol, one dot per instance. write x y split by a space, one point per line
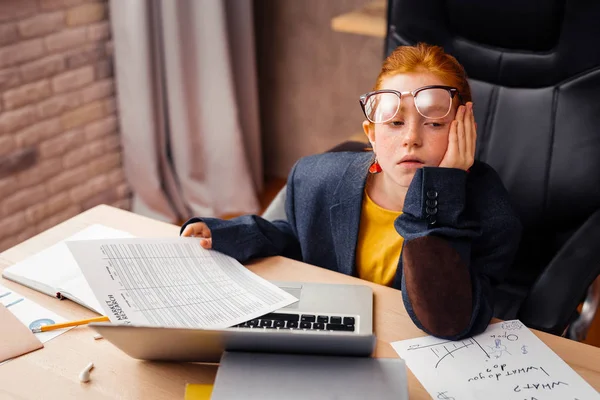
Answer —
52 372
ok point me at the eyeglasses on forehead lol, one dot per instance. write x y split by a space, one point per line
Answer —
432 102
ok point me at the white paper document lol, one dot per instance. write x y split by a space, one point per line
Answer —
506 362
31 314
173 282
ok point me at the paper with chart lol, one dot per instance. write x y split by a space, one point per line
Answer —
30 314
173 282
506 362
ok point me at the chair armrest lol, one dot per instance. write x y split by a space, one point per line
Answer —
555 295
579 328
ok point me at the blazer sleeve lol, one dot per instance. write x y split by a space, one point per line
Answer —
449 261
251 236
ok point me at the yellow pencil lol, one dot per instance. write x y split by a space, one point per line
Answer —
68 324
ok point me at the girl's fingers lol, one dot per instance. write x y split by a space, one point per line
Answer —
449 159
460 132
206 243
202 230
198 229
453 140
474 135
188 231
454 145
469 131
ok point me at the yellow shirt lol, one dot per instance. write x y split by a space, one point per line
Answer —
379 244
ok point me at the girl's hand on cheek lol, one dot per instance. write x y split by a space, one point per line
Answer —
461 140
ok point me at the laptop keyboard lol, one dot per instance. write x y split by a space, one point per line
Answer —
300 321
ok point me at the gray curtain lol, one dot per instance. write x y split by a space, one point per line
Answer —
188 106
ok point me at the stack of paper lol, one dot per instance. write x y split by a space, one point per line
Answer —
163 282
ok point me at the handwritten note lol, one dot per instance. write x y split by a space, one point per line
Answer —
505 362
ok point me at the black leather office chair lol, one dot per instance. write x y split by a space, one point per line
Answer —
534 69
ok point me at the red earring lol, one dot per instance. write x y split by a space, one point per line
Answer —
375 168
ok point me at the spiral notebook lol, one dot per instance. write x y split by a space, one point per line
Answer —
53 271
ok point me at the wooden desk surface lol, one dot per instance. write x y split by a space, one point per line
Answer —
52 372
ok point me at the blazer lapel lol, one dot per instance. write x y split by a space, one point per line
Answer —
345 213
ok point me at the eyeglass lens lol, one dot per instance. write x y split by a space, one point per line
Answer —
430 103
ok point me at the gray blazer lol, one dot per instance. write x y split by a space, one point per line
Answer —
460 235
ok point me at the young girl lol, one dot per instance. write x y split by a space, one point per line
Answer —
418 214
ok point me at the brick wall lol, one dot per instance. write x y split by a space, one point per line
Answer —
59 140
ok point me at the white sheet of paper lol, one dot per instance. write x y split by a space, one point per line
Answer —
173 282
78 290
506 362
31 314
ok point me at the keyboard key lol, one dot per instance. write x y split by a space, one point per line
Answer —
305 325
281 317
292 324
339 327
305 321
265 323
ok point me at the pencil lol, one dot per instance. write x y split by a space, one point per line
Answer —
68 324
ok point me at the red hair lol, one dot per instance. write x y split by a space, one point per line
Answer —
426 58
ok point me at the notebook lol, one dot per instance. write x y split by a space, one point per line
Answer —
53 271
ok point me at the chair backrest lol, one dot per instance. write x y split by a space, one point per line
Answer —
534 70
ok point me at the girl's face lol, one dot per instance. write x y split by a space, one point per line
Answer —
409 140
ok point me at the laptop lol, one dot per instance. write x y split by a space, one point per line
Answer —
328 319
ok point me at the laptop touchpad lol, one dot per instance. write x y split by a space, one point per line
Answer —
294 291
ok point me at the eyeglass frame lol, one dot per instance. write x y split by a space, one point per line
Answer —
451 89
